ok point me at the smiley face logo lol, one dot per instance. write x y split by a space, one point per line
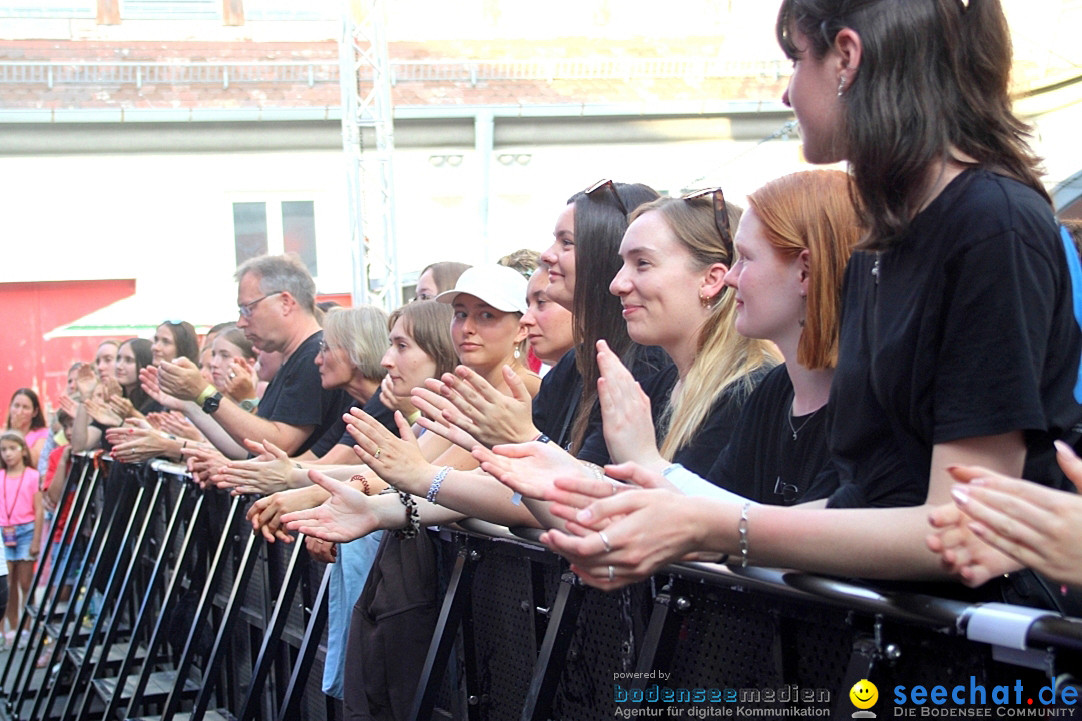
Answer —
864 694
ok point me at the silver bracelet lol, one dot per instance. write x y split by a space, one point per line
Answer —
742 527
434 489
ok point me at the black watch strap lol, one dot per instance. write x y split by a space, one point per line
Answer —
211 403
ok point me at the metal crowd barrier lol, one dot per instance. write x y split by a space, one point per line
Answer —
176 604
158 602
703 641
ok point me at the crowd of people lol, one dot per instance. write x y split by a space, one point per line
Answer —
790 383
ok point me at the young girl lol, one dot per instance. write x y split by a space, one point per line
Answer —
21 521
230 349
174 339
792 247
676 253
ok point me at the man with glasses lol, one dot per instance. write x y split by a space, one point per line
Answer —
277 312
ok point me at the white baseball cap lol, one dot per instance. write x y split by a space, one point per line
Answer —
501 287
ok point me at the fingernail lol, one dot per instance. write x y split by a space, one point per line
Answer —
1062 447
585 515
959 495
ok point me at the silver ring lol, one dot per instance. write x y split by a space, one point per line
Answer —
605 540
612 573
378 453
232 375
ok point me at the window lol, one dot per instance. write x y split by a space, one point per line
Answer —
249 230
277 226
299 231
171 9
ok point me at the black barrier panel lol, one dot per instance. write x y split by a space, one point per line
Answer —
151 563
754 642
520 637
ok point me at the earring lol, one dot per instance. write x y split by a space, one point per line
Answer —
841 85
518 354
706 301
803 299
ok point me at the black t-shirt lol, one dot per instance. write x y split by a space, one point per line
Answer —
646 362
296 396
772 456
717 428
556 401
964 328
375 408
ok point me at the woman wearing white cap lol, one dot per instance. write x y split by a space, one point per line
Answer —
400 600
489 301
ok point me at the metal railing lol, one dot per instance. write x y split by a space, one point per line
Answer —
311 73
533 642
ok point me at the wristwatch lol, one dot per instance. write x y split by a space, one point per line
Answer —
211 403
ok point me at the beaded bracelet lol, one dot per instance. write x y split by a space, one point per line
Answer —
364 483
413 517
742 527
434 489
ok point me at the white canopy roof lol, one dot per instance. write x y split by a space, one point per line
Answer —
152 304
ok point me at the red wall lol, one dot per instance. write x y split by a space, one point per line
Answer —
30 310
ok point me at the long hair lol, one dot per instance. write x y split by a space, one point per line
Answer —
362 333
235 335
428 322
724 359
38 419
445 273
597 314
932 81
143 357
16 437
813 211
185 338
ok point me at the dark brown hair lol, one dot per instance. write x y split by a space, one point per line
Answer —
599 228
38 421
932 82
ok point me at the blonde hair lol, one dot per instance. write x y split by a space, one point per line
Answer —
724 359
362 332
813 210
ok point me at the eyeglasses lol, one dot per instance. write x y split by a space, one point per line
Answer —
245 309
324 347
721 214
611 188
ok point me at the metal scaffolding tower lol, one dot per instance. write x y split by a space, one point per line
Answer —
365 77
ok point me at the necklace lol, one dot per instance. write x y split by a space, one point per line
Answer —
11 509
807 420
